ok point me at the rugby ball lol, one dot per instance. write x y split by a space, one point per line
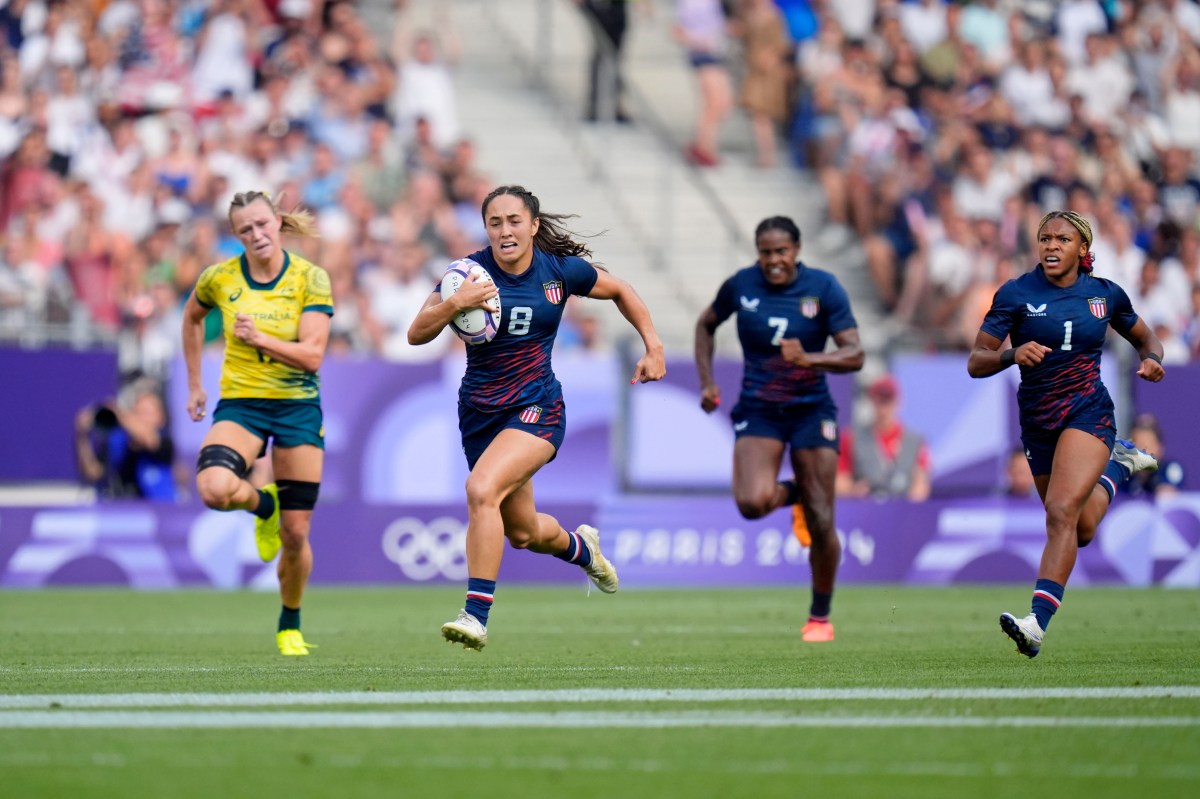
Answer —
477 325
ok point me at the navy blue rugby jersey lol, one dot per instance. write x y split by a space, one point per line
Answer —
812 308
514 368
1073 322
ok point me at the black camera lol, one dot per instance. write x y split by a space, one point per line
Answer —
105 418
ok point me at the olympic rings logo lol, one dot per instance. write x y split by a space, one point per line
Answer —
426 551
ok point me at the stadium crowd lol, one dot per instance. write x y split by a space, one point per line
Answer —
126 126
941 131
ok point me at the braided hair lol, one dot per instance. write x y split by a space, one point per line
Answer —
298 221
552 237
783 223
1085 231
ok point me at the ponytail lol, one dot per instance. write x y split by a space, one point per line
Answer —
552 236
297 222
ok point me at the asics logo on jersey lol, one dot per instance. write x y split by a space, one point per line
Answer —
233 297
750 305
1038 311
740 426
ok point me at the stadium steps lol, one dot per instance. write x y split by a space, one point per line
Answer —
674 231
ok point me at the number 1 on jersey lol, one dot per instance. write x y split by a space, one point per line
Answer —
1066 345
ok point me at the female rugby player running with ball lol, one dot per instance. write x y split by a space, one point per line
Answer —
510 409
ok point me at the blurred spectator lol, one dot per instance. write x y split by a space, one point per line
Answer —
1027 86
608 20
425 90
19 286
93 260
1178 188
123 446
225 50
1018 477
325 181
381 170
981 188
923 22
581 334
765 80
701 27
1191 330
1075 20
395 292
883 458
1168 478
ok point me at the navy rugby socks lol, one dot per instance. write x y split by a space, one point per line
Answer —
1047 598
480 593
576 551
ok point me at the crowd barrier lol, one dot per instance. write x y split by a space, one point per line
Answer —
655 541
392 429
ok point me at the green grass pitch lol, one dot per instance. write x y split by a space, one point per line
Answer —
640 694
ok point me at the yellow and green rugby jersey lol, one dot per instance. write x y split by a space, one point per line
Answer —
275 307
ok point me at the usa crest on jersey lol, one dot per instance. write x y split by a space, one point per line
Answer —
810 307
531 414
1098 306
554 291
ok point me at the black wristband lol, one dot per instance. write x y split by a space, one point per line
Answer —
1154 356
1008 358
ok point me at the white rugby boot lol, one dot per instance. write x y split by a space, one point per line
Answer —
466 630
1026 633
602 572
1134 459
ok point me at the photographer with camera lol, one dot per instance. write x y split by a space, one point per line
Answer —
124 447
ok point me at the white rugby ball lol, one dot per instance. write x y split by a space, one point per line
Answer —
474 326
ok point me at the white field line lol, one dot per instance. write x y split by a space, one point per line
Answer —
313 668
194 759
587 695
140 719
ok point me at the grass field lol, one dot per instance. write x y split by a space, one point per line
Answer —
642 694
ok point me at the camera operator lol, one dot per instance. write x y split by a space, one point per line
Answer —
124 447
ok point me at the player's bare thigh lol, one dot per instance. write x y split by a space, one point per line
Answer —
512 458
304 462
756 462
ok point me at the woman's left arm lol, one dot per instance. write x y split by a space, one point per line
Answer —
305 354
1149 350
652 365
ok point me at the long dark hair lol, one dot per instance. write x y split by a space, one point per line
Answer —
552 237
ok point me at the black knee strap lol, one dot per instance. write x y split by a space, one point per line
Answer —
297 494
223 456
